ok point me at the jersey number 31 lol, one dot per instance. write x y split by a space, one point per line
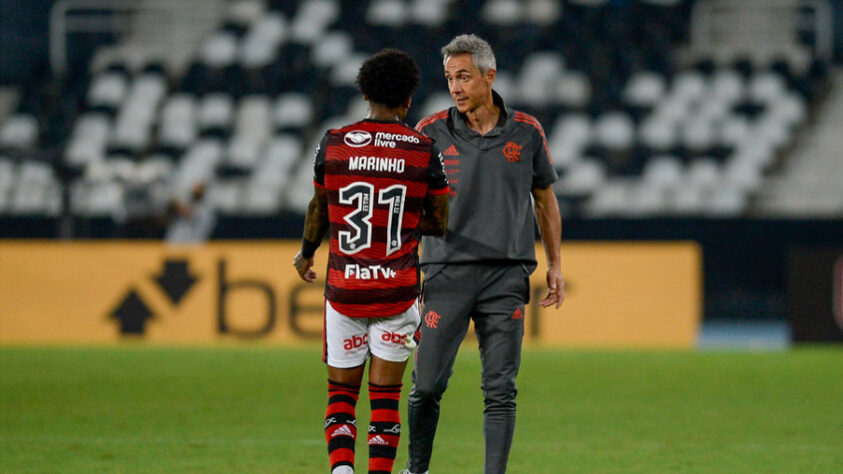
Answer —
362 195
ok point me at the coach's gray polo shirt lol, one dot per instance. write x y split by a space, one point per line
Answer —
491 177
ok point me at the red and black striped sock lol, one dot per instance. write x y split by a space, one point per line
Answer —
384 427
341 423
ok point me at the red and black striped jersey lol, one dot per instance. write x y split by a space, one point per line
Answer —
376 176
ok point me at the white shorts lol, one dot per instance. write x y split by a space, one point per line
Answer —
349 341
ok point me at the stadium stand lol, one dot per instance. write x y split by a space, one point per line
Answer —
653 108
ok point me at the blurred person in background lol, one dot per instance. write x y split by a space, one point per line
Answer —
500 172
378 184
144 212
191 219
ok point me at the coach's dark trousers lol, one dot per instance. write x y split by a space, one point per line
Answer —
493 296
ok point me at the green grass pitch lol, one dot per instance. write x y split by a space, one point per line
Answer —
138 409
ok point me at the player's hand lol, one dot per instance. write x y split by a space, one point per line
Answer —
555 289
303 267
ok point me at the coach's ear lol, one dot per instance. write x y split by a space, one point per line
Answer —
490 76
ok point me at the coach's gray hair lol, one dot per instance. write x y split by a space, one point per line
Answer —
480 51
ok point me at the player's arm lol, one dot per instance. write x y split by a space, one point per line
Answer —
550 227
316 220
434 220
315 227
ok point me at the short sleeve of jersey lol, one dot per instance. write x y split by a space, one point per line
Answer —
319 162
437 181
543 172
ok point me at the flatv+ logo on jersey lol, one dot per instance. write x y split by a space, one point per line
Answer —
512 152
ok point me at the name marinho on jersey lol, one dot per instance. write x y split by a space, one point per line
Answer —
376 163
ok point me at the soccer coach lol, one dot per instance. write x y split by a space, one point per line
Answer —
501 174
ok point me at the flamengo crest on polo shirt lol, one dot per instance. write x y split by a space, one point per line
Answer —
512 152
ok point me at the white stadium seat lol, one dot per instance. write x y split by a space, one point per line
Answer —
108 90
215 110
19 131
243 152
436 102
246 12
727 85
178 121
614 130
293 109
502 12
611 199
226 196
331 48
345 71
573 89
219 50
703 173
429 13
254 118
542 12
262 199
662 172
645 89
583 177
391 13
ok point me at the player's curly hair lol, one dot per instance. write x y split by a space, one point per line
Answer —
388 78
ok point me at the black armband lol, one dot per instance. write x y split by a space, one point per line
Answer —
308 248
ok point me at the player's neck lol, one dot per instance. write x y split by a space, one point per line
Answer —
386 114
484 118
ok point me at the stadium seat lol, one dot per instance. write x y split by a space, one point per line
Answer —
435 102
502 12
686 200
108 90
216 112
243 153
645 89
611 199
254 118
573 90
390 13
428 13
582 178
246 12
726 201
19 131
703 173
312 20
345 71
199 163
538 78
543 13
262 199
331 48
293 110
662 172
226 196
614 131
178 123
220 50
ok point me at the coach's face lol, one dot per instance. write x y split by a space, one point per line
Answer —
469 87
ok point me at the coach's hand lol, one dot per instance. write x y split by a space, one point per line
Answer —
303 267
555 288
